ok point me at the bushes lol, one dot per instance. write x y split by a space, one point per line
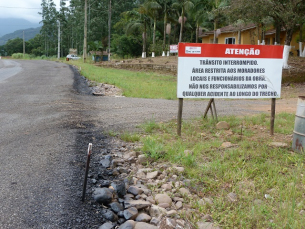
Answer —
31 56
127 46
20 56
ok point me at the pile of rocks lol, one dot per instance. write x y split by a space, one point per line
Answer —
144 197
102 89
136 209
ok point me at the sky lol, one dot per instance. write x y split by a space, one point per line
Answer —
25 9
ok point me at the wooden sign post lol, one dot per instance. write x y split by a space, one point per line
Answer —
272 116
211 106
180 108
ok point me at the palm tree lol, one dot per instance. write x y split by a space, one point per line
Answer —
200 15
217 6
184 5
153 9
136 20
49 27
167 12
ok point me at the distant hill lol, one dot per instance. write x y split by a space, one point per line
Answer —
9 25
28 34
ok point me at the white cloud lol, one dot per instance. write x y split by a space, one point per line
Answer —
25 9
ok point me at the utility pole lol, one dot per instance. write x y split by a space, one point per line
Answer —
109 29
89 16
85 34
58 48
23 45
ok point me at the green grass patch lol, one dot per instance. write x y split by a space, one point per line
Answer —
133 84
153 148
294 79
149 126
112 133
129 137
269 182
33 57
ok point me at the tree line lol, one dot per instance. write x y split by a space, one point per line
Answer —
149 26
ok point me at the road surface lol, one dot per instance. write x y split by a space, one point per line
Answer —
40 182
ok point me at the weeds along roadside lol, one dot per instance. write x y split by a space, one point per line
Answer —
268 181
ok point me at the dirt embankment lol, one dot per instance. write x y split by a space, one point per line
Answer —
165 65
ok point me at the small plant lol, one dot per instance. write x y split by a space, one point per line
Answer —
152 148
149 126
112 134
189 160
128 137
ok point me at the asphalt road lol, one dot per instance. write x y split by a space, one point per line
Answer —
38 185
8 68
47 118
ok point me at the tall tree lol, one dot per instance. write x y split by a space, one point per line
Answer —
184 6
136 20
153 11
285 13
249 11
168 16
49 27
200 15
14 46
62 17
216 13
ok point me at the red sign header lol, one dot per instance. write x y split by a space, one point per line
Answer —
230 51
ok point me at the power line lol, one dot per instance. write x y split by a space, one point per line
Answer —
24 8
20 25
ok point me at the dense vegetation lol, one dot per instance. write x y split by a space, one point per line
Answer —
149 25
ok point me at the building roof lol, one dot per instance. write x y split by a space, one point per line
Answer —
230 29
98 53
273 31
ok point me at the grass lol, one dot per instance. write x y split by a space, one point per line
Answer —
269 182
134 84
128 137
32 57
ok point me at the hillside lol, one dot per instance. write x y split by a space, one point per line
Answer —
28 34
9 25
